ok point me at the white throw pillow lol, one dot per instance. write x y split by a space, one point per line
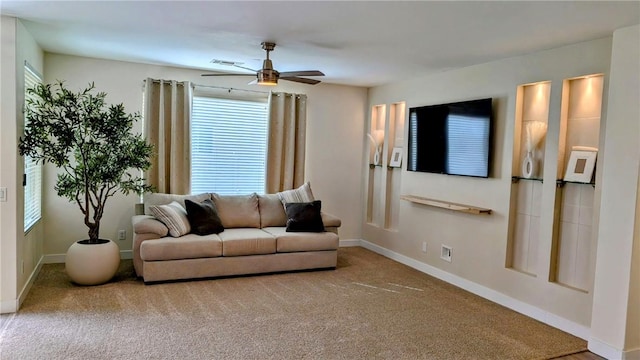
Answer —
302 194
174 216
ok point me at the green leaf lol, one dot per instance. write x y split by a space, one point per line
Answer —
91 141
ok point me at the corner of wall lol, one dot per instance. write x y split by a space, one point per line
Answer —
8 156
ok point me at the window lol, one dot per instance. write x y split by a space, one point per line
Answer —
32 171
228 145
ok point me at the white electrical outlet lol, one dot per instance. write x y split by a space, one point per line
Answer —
122 234
3 194
446 253
424 246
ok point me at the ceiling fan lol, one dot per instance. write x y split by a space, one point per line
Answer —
268 75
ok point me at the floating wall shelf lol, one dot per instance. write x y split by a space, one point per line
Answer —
446 205
515 179
560 183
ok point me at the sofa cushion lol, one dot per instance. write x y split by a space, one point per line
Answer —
151 199
301 194
203 217
301 241
238 211
271 211
174 216
246 241
190 246
304 216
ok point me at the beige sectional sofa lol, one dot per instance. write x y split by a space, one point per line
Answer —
254 241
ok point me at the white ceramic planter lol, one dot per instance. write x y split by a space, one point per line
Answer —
92 264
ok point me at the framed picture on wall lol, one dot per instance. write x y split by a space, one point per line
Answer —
581 165
396 157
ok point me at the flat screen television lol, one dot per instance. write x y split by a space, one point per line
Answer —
453 139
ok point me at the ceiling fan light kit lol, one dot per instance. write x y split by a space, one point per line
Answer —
268 75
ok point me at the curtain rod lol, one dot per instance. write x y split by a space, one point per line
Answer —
230 89
213 86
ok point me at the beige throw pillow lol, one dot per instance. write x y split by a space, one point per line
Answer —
271 211
174 216
238 211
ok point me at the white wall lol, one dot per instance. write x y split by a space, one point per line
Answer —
20 253
608 314
8 164
479 242
616 306
30 247
334 143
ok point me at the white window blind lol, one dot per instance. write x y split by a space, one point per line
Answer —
32 170
467 148
228 145
413 142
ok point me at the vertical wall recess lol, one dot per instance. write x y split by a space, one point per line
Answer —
395 132
573 248
530 128
375 141
386 131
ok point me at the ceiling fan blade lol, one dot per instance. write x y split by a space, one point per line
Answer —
301 73
246 68
300 80
228 75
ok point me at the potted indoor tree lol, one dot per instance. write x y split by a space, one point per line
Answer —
93 146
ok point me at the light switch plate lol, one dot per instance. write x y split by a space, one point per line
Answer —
3 194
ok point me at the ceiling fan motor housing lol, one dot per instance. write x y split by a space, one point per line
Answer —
267 76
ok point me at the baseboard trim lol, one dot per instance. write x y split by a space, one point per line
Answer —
27 286
350 242
605 350
8 306
53 259
59 258
12 306
485 292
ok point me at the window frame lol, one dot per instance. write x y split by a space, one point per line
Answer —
251 101
32 170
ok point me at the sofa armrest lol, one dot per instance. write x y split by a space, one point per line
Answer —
146 224
330 221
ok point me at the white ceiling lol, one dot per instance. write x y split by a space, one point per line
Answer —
360 43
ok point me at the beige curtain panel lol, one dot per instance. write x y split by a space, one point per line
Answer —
286 144
167 113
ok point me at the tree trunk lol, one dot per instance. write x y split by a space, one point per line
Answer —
94 230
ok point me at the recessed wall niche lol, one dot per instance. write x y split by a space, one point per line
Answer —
573 246
383 189
376 137
530 128
395 133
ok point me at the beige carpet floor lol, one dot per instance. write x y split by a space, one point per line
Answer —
370 307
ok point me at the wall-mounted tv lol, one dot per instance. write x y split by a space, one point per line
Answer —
453 139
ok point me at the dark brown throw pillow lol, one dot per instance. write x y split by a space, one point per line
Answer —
304 217
203 217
